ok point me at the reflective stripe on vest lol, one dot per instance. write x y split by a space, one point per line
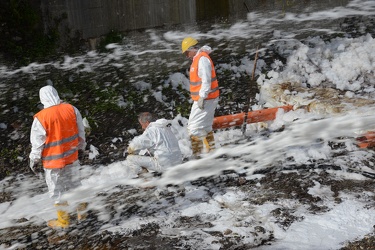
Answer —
196 81
61 146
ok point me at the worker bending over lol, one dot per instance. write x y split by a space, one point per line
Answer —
158 141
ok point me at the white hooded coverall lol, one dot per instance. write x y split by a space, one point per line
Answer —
161 143
200 120
61 179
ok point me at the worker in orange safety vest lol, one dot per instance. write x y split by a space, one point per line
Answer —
57 133
204 91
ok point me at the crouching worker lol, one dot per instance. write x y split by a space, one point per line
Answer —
57 133
158 141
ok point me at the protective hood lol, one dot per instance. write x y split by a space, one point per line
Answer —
49 96
206 49
160 123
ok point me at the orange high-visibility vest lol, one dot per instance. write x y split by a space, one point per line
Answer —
196 81
61 146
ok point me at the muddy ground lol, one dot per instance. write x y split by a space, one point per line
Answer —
289 185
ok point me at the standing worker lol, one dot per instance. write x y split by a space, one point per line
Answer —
57 133
204 90
160 143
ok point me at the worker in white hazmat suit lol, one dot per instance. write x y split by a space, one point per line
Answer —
57 133
204 91
158 141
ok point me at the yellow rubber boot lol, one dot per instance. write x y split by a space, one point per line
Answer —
82 211
211 140
196 145
206 145
62 221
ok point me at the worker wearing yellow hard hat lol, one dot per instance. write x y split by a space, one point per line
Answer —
187 43
204 91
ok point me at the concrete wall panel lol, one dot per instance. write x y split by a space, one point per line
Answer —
94 18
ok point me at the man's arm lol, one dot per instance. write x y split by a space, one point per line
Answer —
37 139
81 130
144 141
204 72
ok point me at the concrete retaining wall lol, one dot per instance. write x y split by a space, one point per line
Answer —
94 18
91 19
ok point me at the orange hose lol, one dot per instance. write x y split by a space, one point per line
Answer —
367 141
226 121
262 115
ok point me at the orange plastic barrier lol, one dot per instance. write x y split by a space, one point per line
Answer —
262 115
366 141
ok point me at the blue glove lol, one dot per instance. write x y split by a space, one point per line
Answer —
201 103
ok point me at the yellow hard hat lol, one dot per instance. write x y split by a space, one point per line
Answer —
187 43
